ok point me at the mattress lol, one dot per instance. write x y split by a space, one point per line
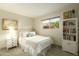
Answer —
35 44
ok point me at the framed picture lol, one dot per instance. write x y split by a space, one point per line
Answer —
69 14
9 23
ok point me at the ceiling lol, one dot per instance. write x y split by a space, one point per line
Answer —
34 9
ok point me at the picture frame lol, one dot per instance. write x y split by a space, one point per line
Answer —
9 23
69 14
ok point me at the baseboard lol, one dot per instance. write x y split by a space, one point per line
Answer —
2 48
56 45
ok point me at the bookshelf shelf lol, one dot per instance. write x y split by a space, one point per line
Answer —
70 35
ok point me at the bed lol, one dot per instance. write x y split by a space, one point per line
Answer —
33 45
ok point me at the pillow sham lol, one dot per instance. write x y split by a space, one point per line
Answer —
31 34
27 34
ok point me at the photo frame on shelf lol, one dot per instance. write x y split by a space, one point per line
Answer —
69 14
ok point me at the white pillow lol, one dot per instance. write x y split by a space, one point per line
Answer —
27 34
24 34
31 34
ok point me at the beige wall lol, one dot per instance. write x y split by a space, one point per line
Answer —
55 34
24 24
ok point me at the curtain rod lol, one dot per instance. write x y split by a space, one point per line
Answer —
50 18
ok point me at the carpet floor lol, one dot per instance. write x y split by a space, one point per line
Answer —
54 51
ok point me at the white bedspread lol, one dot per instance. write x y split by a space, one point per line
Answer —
35 44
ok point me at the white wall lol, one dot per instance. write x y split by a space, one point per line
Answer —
24 24
55 34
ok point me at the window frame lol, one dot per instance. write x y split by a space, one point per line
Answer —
49 26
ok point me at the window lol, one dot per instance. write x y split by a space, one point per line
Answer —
46 23
51 23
